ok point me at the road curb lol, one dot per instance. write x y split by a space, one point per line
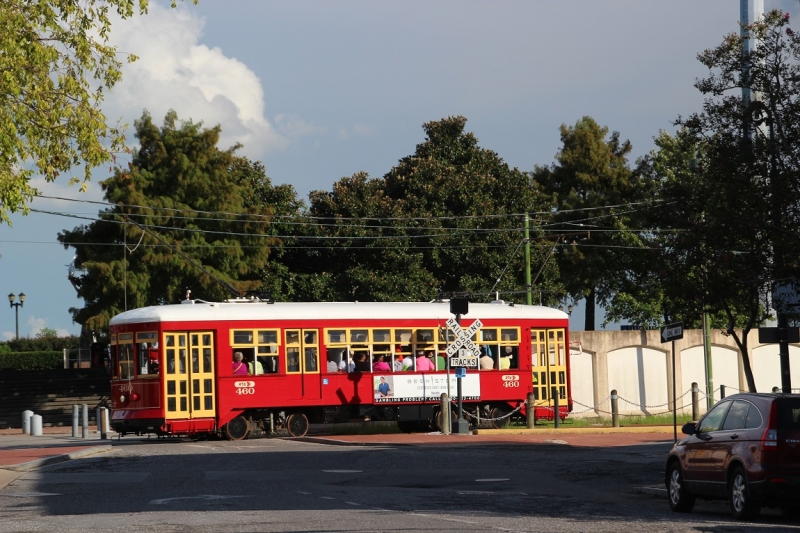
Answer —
575 431
336 442
37 463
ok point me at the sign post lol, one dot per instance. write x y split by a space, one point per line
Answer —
462 354
671 333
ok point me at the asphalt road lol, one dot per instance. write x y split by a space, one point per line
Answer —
285 485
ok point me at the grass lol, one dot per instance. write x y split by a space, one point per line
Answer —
645 420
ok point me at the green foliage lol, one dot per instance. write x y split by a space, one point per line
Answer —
44 360
447 218
594 190
186 215
56 66
41 343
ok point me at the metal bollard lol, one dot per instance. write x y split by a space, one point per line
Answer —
444 410
614 409
695 402
36 426
26 421
102 422
556 409
722 392
531 419
85 420
75 418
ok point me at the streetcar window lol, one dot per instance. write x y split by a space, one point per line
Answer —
311 359
292 337
268 337
147 358
402 336
508 335
293 359
242 337
359 335
126 361
268 357
424 335
382 335
336 336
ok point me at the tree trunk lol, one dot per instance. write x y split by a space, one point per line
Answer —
590 310
748 370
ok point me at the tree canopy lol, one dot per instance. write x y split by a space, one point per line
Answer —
593 189
447 218
57 66
185 215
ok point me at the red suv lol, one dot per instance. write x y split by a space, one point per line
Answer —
746 449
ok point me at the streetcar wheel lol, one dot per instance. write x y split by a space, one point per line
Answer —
680 500
743 506
297 424
497 422
237 429
440 419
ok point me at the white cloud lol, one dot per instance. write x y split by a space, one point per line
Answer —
200 83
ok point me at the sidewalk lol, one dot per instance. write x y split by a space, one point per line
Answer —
20 452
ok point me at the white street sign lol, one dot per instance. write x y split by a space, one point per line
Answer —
463 345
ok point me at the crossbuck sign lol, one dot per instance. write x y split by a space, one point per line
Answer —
463 352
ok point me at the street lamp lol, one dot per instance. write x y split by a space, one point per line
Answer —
17 305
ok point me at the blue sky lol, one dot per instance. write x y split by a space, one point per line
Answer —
321 90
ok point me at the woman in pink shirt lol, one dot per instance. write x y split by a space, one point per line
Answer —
381 365
423 363
239 368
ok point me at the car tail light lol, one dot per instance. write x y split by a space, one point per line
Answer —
770 439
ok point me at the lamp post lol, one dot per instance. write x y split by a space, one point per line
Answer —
11 298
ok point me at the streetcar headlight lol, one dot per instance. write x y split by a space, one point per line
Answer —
122 398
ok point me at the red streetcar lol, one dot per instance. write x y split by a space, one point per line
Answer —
232 367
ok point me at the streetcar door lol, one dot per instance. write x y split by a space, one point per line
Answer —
549 366
188 375
302 363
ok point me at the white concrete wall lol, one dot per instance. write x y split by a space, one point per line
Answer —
639 365
767 367
724 370
582 380
639 376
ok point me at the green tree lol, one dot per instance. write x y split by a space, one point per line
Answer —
734 210
447 218
185 215
57 66
594 191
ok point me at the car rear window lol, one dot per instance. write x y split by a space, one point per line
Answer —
788 413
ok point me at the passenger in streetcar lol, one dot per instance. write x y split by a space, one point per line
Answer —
398 362
256 368
380 364
423 363
486 361
505 358
239 368
362 365
408 362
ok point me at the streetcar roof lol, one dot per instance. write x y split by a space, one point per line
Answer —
198 310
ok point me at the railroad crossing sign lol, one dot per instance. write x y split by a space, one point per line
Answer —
672 332
463 352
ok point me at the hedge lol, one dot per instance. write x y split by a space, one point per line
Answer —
31 360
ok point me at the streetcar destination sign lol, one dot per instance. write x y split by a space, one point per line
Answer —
672 332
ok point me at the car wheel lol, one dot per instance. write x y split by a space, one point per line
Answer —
680 500
742 505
